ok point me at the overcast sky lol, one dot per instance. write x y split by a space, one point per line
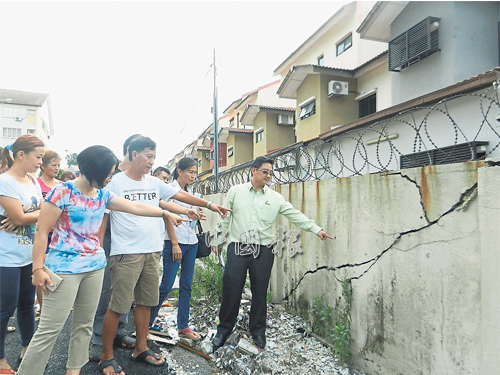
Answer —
113 69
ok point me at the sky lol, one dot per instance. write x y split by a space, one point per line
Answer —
113 69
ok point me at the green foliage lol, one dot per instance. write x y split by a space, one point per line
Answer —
207 280
71 159
334 324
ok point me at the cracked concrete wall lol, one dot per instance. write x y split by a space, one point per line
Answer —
421 248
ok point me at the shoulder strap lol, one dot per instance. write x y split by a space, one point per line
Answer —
200 228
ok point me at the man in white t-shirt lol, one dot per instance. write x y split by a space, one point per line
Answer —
136 245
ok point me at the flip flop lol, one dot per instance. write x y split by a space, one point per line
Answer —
110 362
7 371
143 357
124 341
189 334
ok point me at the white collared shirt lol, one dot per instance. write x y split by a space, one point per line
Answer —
184 233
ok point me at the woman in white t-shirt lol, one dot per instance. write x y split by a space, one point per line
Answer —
180 251
20 198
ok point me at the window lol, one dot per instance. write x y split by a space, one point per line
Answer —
16 113
416 43
31 117
344 45
307 110
230 151
31 132
259 136
231 122
11 132
321 60
368 105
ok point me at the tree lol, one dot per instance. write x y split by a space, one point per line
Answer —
71 159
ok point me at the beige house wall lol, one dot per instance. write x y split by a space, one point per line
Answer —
259 149
335 110
379 79
242 148
278 136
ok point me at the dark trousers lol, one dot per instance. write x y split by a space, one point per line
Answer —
17 292
233 282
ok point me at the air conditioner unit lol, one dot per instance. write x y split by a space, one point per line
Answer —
338 88
285 119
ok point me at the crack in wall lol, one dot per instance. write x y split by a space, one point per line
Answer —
464 197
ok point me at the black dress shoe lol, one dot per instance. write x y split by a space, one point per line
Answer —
218 340
260 341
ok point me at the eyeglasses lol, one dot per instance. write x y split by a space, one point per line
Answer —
266 172
110 176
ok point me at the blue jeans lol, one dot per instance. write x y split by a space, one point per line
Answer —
169 272
17 291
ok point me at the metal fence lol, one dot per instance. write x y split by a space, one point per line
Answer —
456 129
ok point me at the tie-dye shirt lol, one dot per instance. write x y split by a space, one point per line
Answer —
75 246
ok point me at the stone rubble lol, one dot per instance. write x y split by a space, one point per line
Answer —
290 349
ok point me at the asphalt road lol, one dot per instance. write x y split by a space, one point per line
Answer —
187 362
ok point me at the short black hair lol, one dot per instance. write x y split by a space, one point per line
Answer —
257 163
140 143
127 142
161 169
95 162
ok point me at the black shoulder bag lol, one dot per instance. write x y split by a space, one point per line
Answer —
203 249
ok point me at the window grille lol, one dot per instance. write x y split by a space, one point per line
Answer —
447 155
414 44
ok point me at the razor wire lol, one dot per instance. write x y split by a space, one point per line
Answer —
452 130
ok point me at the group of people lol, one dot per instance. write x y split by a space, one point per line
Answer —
104 233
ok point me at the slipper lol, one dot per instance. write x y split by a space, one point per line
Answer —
143 357
189 334
124 341
11 329
7 371
110 362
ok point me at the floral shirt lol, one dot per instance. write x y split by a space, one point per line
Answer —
75 246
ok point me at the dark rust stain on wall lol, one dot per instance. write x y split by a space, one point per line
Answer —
424 187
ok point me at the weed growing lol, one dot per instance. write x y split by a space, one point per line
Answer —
334 324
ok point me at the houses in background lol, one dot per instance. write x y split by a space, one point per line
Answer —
362 66
24 112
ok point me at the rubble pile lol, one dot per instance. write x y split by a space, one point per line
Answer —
290 347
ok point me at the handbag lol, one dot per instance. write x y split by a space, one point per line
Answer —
204 249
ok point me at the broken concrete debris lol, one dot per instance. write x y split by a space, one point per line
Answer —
290 347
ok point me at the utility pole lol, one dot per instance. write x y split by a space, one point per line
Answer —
216 133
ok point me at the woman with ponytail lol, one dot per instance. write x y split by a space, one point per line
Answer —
181 253
20 198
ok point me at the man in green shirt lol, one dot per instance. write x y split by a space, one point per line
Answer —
250 236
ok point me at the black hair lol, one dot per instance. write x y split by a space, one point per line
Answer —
184 164
140 143
95 162
127 142
161 169
257 163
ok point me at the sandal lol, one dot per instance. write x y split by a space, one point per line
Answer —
189 334
110 362
11 329
7 371
143 357
124 341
